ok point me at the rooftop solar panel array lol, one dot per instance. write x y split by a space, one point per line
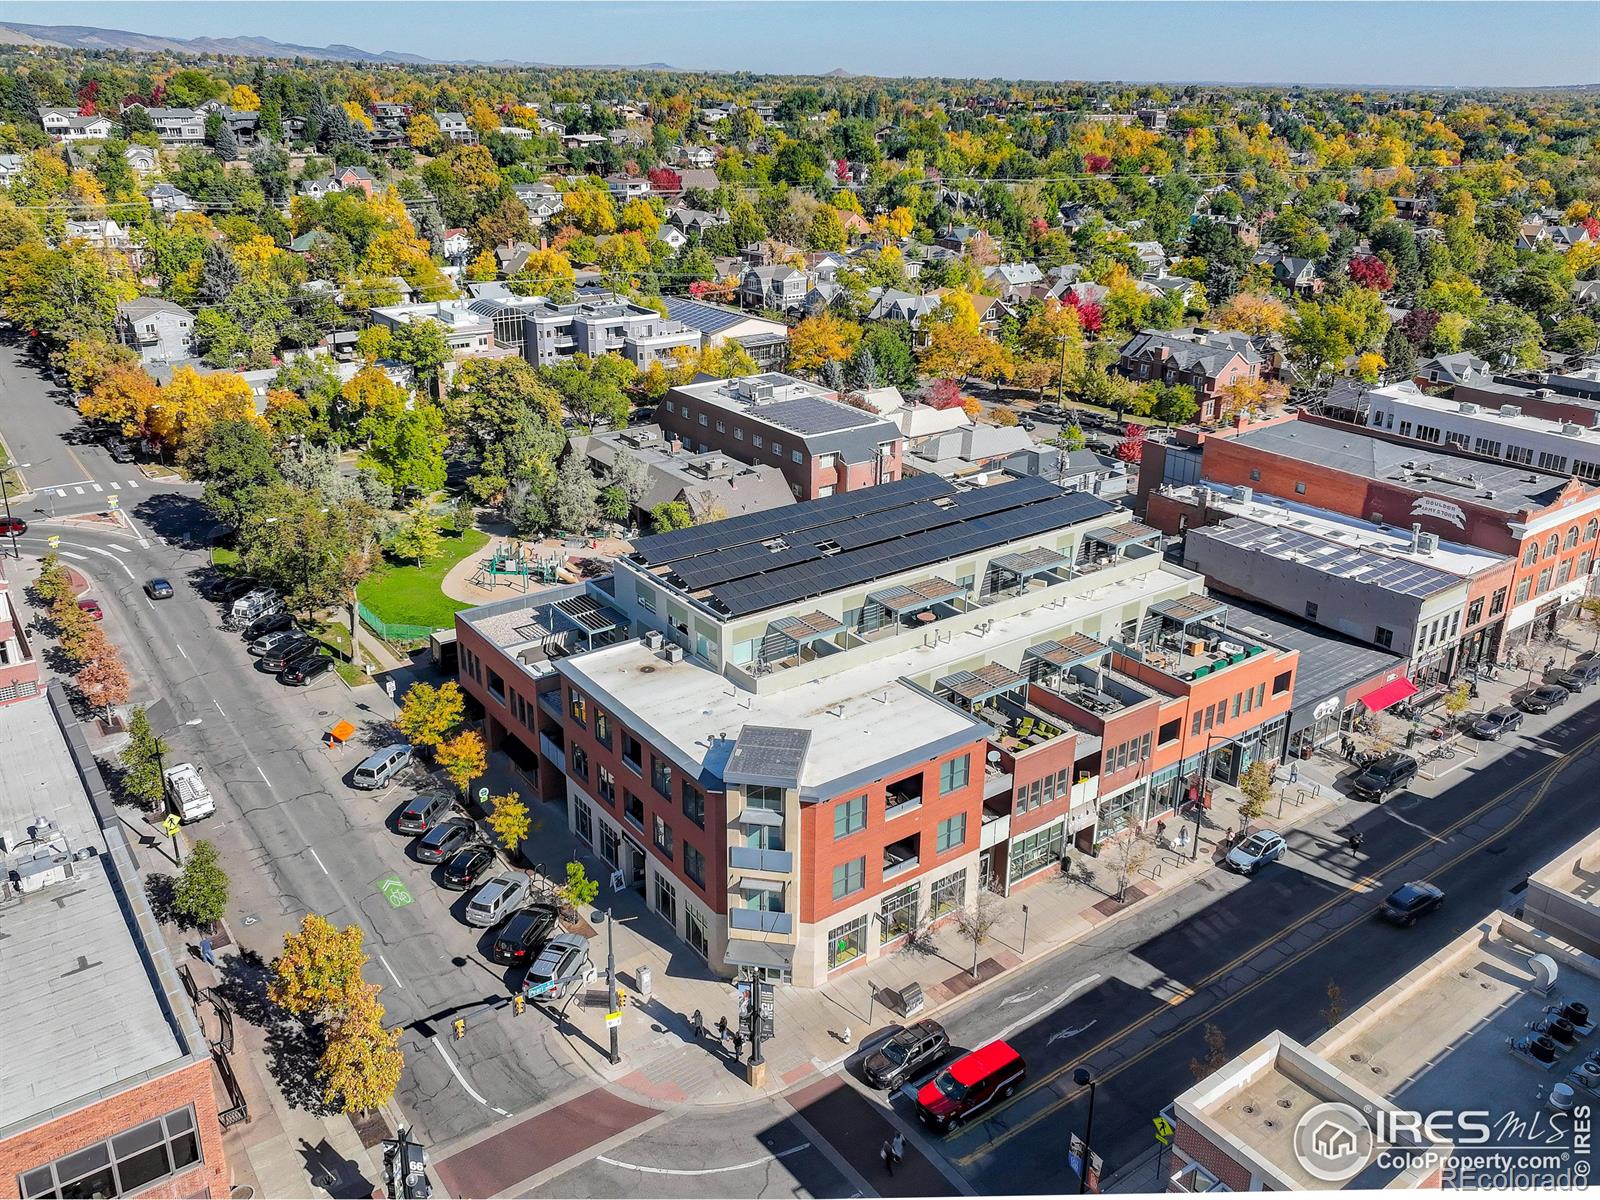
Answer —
1400 575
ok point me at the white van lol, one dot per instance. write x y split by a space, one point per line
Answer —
380 767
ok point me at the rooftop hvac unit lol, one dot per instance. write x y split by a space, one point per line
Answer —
1468 407
1428 543
1244 495
653 639
1572 429
1510 411
1544 973
673 653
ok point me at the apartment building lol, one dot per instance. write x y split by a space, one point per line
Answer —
806 733
465 331
822 446
545 333
108 1086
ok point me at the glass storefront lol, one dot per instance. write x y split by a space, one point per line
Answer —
1035 851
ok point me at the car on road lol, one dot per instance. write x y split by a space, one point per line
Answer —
1496 723
273 641
523 936
282 656
907 1051
1050 411
272 622
1256 851
307 667
158 589
1541 699
561 966
423 812
445 838
1384 774
120 449
1574 678
380 767
12 527
92 607
1410 901
504 893
466 867
969 1085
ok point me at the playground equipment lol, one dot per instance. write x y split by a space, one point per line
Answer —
511 562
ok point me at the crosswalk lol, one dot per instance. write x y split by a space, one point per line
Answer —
88 486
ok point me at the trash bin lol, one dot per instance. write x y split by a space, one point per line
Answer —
641 983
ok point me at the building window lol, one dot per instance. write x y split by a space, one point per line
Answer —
1592 529
633 808
605 784
1522 590
1311 609
661 777
849 877
953 774
1544 582
1552 546
602 728
764 796
1521 455
847 942
1299 489
694 804
666 899
1255 474
1475 612
1280 683
755 440
738 434
1571 540
1384 637
952 833
578 707
849 816
497 686
702 418
661 835
1551 461
1194 729
1036 850
948 894
121 1165
694 865
632 754
694 931
721 428
1497 603
899 913
583 821
777 449
795 455
1169 732
579 764
1530 554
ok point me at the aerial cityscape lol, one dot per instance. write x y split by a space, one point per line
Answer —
719 600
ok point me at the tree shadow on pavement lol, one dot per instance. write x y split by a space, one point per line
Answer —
242 982
181 520
294 1049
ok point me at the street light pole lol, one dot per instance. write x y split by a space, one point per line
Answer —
1083 1078
1024 931
5 491
611 991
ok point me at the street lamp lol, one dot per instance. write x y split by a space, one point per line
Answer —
1083 1078
1205 774
1024 931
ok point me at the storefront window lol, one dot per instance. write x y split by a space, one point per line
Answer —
847 942
899 913
1037 850
948 894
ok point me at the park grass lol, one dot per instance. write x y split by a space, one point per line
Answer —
224 557
406 594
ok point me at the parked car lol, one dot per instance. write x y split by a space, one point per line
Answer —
92 607
908 1050
1586 657
380 767
283 638
228 588
561 966
281 657
523 936
424 812
1574 678
1255 851
445 838
272 622
501 895
1049 409
306 668
12 527
158 589
467 867
969 1085
1410 901
1496 723
120 449
1542 699
1384 774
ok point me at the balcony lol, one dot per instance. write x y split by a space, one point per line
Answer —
753 858
550 701
757 920
901 857
552 751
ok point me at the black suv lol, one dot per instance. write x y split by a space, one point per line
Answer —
467 867
285 655
908 1050
271 622
524 934
1410 901
1383 775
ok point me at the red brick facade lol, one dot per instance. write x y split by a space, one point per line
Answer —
95 1122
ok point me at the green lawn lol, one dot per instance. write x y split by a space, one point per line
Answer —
403 594
225 557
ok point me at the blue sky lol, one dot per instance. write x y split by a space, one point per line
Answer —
1466 44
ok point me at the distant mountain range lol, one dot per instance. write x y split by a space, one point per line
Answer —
89 37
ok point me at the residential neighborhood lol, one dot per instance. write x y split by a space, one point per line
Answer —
812 625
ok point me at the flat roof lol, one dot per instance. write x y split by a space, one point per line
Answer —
797 407
1409 395
1329 557
79 1010
863 720
749 564
1330 664
1485 484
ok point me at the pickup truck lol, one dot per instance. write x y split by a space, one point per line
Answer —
188 798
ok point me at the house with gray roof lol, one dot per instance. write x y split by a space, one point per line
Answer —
1014 279
711 484
765 341
1203 359
970 450
782 287
1451 369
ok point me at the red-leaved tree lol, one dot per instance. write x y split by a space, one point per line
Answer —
1097 162
1131 448
841 170
665 179
943 393
1371 272
1090 317
1592 224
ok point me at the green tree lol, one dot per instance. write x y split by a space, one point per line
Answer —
418 536
141 760
201 893
1256 784
314 550
236 461
670 515
430 715
423 346
575 497
579 890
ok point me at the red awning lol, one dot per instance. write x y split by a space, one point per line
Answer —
1392 692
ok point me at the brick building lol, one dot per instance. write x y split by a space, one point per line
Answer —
822 446
1548 523
1206 360
806 733
106 1085
19 669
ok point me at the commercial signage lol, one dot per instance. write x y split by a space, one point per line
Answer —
1427 506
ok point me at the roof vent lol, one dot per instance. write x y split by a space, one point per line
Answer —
1468 407
673 653
1510 411
1571 429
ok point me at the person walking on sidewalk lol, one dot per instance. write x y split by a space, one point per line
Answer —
697 1025
886 1152
897 1148
738 1045
1294 771
722 1030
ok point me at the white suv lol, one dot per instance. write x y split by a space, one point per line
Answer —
498 898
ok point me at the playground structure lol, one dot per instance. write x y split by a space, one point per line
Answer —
512 564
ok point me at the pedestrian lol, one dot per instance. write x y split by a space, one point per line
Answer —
886 1152
1355 840
897 1148
697 1024
722 1030
1161 833
1550 665
738 1045
1294 772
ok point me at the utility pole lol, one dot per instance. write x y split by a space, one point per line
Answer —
5 491
613 1017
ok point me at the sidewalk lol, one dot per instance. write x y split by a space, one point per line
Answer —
661 1064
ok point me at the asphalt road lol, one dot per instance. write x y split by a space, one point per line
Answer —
294 837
